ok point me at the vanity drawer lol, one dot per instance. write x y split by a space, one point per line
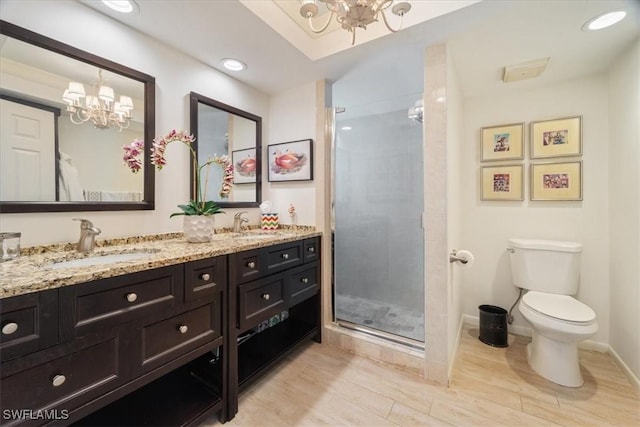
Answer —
63 377
204 279
164 341
311 249
246 265
29 323
259 300
281 257
302 283
116 300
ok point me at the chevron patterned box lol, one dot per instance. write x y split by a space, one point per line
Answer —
269 221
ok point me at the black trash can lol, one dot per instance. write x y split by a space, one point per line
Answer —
493 326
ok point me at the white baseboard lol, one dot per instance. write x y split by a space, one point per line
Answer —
635 382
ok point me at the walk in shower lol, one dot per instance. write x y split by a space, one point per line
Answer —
378 205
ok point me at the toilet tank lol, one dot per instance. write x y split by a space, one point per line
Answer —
545 265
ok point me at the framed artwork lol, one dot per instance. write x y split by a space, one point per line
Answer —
556 138
291 161
505 142
556 181
502 182
244 166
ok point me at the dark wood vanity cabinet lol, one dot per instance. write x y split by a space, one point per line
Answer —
118 351
265 283
157 347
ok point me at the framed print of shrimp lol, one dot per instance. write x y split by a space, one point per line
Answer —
291 161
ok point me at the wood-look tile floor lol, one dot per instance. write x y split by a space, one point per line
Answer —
323 385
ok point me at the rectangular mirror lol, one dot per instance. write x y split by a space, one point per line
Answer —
65 115
222 129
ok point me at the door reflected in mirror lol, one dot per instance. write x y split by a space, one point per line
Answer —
222 129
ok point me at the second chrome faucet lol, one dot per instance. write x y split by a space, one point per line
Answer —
238 220
88 233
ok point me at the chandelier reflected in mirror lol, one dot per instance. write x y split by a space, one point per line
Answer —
353 14
100 107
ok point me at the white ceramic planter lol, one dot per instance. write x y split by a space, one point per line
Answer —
198 228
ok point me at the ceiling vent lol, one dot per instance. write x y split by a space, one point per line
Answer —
525 70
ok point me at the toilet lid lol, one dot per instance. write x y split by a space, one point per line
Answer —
562 307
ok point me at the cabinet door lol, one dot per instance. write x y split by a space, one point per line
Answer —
204 279
29 323
246 266
65 376
166 340
88 307
311 249
259 300
302 283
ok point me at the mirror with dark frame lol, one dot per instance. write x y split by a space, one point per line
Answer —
222 129
66 114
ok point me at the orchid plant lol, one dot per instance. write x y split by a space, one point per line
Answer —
197 205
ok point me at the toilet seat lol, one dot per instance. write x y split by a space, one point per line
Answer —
559 307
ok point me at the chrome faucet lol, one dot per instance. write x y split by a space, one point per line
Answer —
88 233
238 220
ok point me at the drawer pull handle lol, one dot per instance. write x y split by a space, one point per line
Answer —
132 297
305 280
311 249
266 297
183 329
58 380
206 276
285 256
9 328
251 264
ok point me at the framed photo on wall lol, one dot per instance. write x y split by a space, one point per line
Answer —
291 161
504 142
244 166
502 182
556 181
556 138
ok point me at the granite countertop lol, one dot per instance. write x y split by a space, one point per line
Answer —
36 270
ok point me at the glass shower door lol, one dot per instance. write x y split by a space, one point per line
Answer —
378 240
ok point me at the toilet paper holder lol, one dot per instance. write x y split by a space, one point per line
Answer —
453 257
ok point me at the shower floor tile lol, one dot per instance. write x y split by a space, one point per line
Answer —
382 316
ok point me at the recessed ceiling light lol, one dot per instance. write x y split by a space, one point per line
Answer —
122 6
233 64
346 128
605 20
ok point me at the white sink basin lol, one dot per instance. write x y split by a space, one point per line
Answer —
253 236
99 260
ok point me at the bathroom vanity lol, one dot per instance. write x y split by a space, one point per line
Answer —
111 344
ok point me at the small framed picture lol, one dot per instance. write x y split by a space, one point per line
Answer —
501 182
556 181
505 142
556 138
244 166
291 161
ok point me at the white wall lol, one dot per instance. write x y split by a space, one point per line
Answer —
176 75
624 205
454 103
487 225
292 117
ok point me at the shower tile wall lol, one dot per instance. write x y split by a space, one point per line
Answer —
379 244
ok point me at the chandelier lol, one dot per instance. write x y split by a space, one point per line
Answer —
99 108
352 14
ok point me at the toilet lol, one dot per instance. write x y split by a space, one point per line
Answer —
550 271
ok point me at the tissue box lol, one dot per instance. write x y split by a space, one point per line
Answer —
269 221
